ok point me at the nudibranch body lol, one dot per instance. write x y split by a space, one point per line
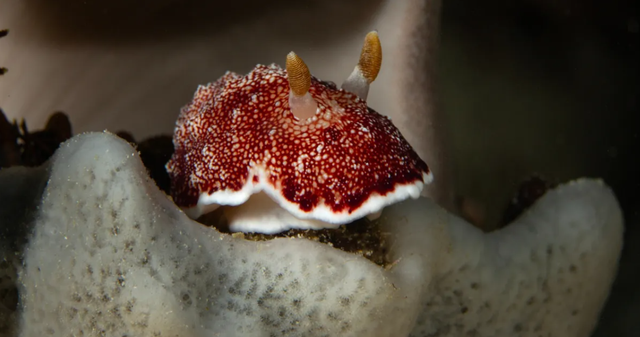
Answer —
317 151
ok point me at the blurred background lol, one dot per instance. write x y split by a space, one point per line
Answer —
551 87
526 86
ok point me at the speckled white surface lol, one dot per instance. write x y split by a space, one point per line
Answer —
110 254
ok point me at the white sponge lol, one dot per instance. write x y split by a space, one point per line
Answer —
111 255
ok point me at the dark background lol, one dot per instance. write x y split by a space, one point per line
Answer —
578 59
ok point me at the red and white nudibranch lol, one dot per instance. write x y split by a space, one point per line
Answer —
287 139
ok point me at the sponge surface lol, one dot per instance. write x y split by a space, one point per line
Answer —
109 254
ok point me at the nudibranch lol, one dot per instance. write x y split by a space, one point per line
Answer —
300 151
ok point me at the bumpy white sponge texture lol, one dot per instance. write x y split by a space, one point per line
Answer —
547 274
109 254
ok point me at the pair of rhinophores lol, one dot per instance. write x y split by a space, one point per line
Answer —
289 150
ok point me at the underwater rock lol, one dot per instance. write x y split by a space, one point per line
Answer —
107 253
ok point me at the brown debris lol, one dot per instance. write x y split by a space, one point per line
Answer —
362 237
18 146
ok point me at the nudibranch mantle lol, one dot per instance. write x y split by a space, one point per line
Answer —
239 137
